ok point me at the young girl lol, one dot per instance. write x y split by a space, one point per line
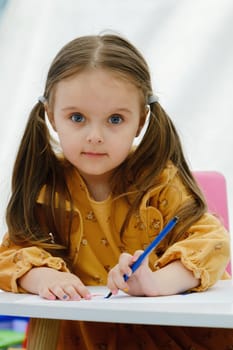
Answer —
81 215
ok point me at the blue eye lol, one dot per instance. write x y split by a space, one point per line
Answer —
115 119
77 118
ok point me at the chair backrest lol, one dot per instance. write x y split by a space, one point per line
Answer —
213 185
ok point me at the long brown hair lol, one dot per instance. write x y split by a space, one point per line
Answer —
37 164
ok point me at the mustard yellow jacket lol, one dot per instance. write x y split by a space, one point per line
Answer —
95 242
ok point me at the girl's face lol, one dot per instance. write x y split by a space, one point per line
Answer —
96 116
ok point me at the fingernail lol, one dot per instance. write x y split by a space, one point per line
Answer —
65 296
129 273
114 291
88 297
126 290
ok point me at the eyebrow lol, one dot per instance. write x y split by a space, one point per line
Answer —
69 108
75 108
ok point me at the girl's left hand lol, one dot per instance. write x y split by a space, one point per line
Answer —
140 283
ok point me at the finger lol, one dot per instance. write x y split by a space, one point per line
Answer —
82 290
47 294
136 255
111 285
60 293
71 294
116 279
125 261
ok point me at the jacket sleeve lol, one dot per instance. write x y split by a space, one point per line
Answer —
205 251
205 248
15 261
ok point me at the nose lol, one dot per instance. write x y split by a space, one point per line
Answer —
95 137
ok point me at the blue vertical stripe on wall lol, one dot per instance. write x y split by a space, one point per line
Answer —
2 6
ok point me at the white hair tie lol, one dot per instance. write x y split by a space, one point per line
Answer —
42 99
153 99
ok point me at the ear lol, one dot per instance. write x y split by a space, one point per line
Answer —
50 117
143 118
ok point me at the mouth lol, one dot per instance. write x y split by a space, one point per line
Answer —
93 154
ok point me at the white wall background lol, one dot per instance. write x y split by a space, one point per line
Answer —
187 43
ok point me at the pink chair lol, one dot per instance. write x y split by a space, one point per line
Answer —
213 185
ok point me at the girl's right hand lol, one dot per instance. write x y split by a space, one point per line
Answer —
52 284
141 283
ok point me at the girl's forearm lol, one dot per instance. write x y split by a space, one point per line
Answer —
30 280
174 278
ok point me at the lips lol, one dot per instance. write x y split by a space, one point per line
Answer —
93 154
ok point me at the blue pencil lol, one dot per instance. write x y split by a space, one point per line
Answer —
150 247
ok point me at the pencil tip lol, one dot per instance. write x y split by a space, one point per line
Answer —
108 296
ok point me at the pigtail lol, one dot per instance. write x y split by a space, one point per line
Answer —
142 169
149 159
155 149
35 165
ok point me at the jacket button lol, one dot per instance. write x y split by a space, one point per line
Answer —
84 241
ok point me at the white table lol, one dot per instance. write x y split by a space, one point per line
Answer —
213 308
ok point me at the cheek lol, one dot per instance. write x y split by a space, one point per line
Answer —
67 141
121 145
